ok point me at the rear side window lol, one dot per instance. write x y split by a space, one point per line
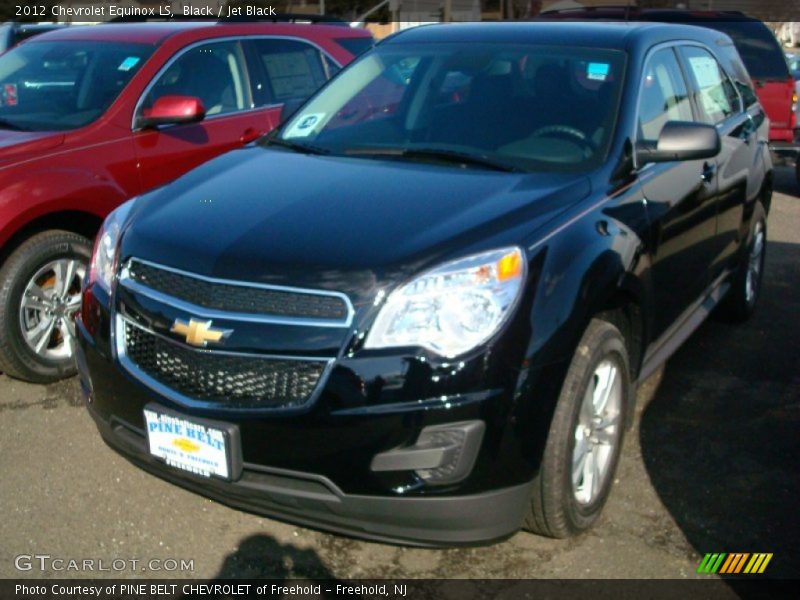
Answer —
758 47
749 97
716 95
289 69
664 96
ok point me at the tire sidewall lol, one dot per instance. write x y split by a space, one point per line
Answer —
22 265
611 347
759 216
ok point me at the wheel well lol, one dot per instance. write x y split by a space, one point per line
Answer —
82 223
624 312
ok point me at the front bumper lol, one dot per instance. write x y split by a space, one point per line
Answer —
315 467
315 501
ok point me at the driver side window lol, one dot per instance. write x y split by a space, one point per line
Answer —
211 72
664 96
717 97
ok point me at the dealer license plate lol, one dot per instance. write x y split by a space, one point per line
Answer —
187 445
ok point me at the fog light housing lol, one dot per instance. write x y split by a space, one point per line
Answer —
442 455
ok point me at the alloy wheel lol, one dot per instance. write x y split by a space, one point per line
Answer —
754 264
50 302
597 432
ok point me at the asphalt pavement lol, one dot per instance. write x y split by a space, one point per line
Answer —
710 466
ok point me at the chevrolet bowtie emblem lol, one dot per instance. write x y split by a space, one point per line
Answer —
199 333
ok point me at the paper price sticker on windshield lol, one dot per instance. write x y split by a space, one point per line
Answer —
128 63
597 71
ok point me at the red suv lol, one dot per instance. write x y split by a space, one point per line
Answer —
90 116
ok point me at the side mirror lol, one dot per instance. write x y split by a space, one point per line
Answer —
172 110
290 107
680 140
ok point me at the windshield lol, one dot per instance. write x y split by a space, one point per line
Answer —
47 86
525 107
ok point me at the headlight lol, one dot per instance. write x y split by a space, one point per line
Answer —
104 255
453 308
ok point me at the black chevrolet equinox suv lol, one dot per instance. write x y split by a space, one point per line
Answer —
419 309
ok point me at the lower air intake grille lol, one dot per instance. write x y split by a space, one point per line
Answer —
228 380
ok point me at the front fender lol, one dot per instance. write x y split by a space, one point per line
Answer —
585 267
588 264
27 199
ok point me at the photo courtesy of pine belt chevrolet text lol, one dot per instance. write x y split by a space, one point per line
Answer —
418 310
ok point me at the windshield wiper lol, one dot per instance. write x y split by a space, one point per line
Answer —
296 146
12 126
451 156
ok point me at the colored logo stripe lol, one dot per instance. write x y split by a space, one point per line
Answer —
758 563
710 563
734 563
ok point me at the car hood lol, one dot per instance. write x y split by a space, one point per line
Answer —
348 224
14 144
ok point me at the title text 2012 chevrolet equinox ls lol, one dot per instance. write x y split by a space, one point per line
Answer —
417 310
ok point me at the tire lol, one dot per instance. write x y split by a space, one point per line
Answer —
32 271
562 506
740 302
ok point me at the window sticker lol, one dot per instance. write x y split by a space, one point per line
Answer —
305 125
597 71
128 63
705 71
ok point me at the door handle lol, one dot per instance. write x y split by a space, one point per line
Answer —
708 172
251 134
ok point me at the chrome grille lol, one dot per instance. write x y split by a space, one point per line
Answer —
228 380
238 297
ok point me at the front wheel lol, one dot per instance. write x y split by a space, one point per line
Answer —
40 296
585 438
